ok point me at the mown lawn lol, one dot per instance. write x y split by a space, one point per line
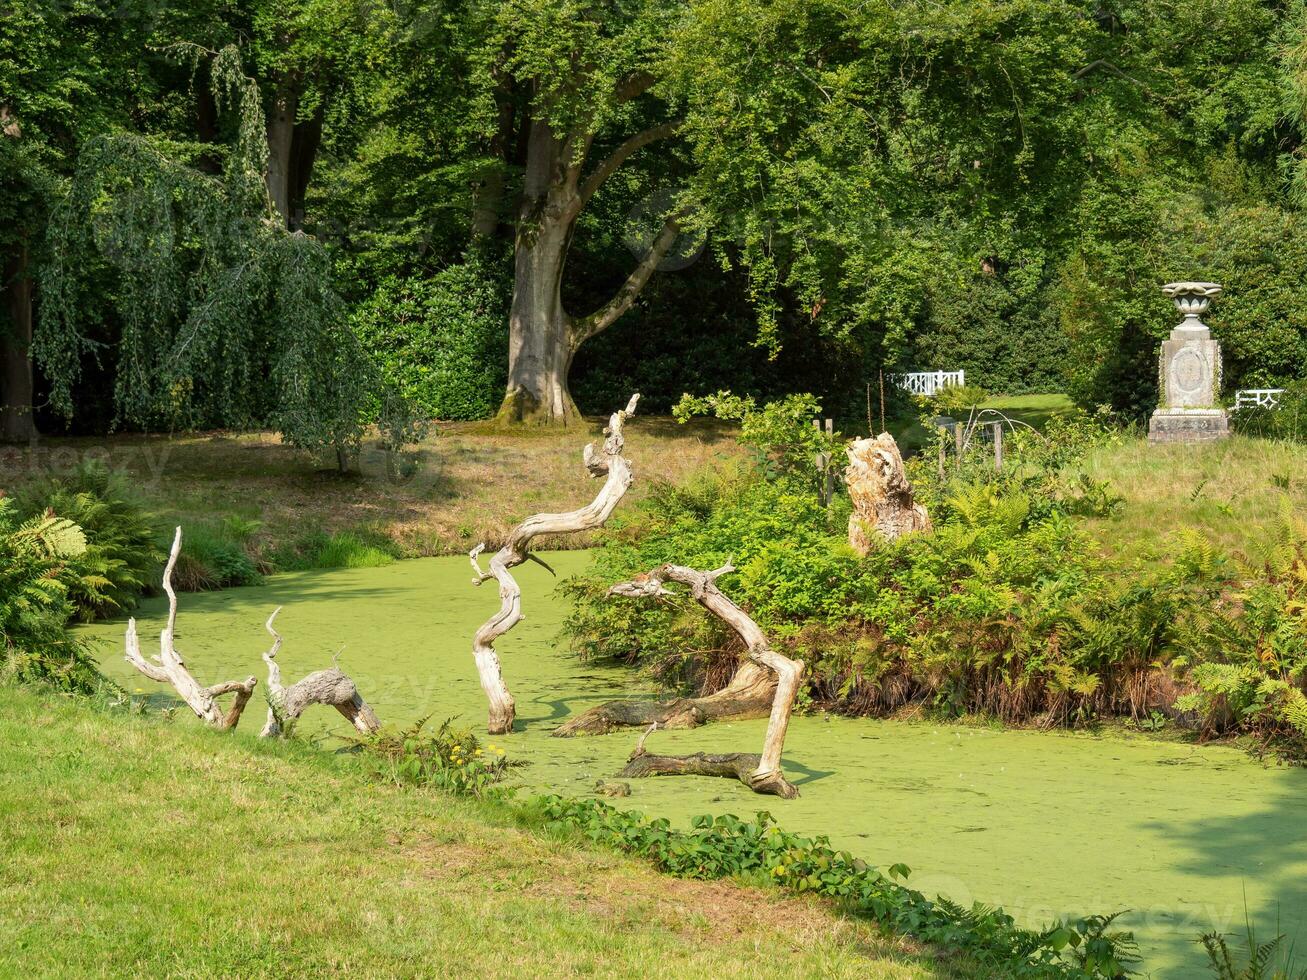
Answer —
133 846
1231 493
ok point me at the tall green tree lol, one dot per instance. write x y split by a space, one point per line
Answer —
65 71
833 148
227 318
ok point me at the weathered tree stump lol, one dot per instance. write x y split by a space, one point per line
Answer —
882 496
609 463
331 687
169 668
762 773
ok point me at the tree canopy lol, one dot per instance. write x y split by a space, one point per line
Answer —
208 203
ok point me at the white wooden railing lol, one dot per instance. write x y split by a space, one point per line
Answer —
929 382
1257 398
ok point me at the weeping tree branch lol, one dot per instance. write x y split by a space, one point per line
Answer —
762 773
169 668
608 462
332 687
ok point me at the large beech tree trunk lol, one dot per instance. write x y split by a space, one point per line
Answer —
331 687
169 668
292 149
762 773
17 423
543 338
609 463
281 140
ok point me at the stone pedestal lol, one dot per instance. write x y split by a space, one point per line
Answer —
1195 425
1189 369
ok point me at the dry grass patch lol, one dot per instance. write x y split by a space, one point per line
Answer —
1229 492
471 482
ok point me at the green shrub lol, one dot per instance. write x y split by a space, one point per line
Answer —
36 557
218 556
451 759
440 340
955 400
1244 649
121 560
780 433
1288 420
1005 609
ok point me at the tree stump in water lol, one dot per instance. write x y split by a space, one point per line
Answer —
767 671
881 494
169 668
331 687
609 463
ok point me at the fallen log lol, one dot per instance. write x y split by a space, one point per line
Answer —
168 667
744 766
761 773
331 687
749 695
609 463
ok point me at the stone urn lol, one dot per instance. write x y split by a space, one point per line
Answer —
1189 372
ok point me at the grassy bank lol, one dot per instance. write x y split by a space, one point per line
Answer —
138 847
1228 492
469 483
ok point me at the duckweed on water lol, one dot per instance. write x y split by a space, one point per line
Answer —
1046 825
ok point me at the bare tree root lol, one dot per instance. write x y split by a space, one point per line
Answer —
169 668
609 463
331 687
761 773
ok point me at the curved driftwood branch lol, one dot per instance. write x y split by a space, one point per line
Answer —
750 693
762 773
168 667
608 462
331 687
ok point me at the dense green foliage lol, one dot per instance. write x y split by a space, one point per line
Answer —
451 759
37 567
996 186
440 339
1006 609
122 559
226 319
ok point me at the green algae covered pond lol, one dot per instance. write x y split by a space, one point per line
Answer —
1043 824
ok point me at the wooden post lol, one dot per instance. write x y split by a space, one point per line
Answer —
943 452
957 439
998 447
882 401
829 473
